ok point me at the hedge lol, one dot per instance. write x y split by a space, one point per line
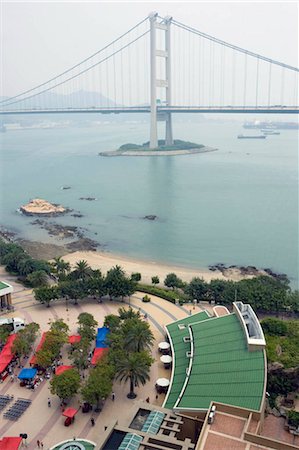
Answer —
170 296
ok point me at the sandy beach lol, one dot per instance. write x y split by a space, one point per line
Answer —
104 261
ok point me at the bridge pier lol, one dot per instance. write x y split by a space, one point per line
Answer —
154 53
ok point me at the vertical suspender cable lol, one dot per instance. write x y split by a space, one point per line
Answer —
199 68
245 81
257 82
282 86
114 78
122 77
234 79
210 74
107 83
269 83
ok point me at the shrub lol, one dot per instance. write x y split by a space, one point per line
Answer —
146 299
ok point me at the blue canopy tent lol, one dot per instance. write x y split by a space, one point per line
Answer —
27 374
101 337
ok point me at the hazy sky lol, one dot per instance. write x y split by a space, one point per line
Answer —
40 39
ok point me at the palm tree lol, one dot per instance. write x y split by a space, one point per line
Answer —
134 367
38 278
25 266
61 267
138 336
82 270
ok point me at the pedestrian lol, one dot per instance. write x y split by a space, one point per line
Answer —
113 396
49 403
38 443
157 396
12 378
190 312
147 400
41 445
92 421
105 428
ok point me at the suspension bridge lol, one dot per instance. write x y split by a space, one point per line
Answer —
161 66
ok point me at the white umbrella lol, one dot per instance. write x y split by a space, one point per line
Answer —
166 359
164 345
163 382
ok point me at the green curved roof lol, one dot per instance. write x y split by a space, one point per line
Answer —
222 368
179 349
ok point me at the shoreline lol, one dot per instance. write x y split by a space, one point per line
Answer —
105 260
191 151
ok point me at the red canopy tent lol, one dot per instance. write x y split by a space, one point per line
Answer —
10 443
70 412
6 355
74 339
98 354
60 369
41 343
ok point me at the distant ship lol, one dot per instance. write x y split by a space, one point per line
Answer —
257 136
278 125
269 131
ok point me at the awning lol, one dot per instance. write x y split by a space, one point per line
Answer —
101 337
74 339
60 369
166 359
98 354
164 346
163 382
10 443
70 412
4 361
33 359
27 374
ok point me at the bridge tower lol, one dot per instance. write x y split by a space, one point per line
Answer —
160 83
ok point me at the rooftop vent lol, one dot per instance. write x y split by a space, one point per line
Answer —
187 339
181 326
188 354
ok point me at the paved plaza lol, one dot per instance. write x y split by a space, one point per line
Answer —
45 423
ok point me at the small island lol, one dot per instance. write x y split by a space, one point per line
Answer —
179 147
40 207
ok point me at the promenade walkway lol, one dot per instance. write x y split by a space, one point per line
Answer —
47 424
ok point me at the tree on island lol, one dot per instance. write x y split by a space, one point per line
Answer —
65 385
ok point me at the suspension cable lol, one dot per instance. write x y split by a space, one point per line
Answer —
80 73
76 65
234 47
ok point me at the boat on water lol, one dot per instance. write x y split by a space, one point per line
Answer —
256 136
270 132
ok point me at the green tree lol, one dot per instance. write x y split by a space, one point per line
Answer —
82 271
66 385
87 326
12 259
44 358
99 384
274 327
137 335
24 340
112 322
173 281
196 289
46 294
79 354
4 333
128 313
60 327
38 278
136 276
155 280
116 283
61 268
25 265
96 285
216 290
135 368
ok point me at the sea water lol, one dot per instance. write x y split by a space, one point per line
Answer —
237 205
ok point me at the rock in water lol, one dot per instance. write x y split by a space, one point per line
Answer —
40 207
150 217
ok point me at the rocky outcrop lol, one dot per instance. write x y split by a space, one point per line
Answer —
150 217
40 207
